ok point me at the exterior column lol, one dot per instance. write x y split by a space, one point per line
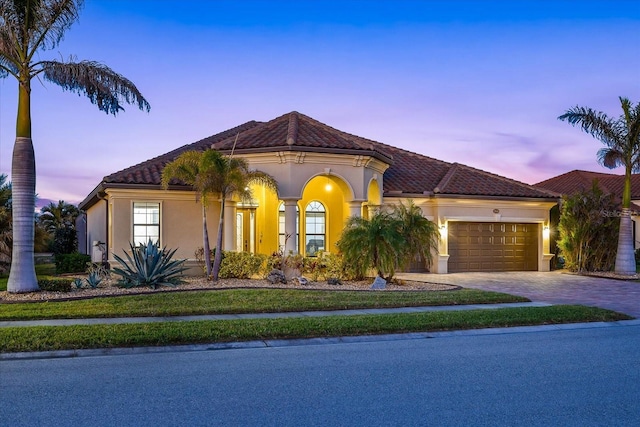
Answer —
229 232
440 261
372 209
355 208
290 226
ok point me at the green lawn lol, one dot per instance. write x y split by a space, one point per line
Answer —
242 301
16 339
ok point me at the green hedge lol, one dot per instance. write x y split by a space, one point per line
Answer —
72 263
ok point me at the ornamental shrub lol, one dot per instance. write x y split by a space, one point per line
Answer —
240 265
71 263
314 266
55 285
588 235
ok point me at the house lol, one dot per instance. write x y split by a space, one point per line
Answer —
324 175
579 180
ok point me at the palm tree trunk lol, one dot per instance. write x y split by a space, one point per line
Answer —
205 236
625 257
22 277
217 260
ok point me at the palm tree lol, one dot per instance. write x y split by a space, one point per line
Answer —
56 216
388 241
621 137
59 221
189 168
372 243
212 173
26 28
420 235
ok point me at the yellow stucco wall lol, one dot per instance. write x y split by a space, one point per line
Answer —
330 192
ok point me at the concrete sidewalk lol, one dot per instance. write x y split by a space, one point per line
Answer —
121 320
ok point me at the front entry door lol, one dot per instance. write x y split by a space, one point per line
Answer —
246 230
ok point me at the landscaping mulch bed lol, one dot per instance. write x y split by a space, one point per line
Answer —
191 284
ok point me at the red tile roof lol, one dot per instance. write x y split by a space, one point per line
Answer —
150 171
578 180
297 132
409 173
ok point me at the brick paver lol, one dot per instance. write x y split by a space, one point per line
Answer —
554 287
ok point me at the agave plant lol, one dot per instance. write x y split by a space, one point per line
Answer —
149 266
94 279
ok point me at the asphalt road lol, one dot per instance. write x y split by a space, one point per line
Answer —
576 377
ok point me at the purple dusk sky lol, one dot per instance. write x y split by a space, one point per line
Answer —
476 82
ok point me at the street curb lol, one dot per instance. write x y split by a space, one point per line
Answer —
281 343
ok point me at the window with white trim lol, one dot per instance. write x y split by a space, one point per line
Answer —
315 225
146 222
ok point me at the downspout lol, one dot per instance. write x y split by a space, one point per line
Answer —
105 256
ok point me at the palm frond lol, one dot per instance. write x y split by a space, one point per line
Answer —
103 86
595 123
29 25
610 158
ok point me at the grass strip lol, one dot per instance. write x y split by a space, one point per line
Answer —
45 338
231 301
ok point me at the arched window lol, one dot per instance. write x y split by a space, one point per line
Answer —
281 227
315 226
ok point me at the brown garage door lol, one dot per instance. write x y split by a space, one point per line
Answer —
492 246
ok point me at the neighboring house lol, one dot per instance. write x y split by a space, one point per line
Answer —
579 180
487 222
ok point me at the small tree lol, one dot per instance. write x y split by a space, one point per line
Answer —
587 226
387 241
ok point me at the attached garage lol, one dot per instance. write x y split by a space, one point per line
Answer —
492 246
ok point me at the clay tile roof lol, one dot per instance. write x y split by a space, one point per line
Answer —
409 173
465 180
150 171
413 173
295 131
579 180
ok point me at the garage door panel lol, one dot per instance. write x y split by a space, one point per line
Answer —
493 247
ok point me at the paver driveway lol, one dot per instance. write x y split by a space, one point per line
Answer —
554 287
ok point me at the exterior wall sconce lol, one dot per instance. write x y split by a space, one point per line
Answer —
327 186
546 232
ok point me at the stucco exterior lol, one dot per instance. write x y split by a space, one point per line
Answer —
314 165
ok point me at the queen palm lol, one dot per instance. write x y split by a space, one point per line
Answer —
213 173
621 137
190 168
28 27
